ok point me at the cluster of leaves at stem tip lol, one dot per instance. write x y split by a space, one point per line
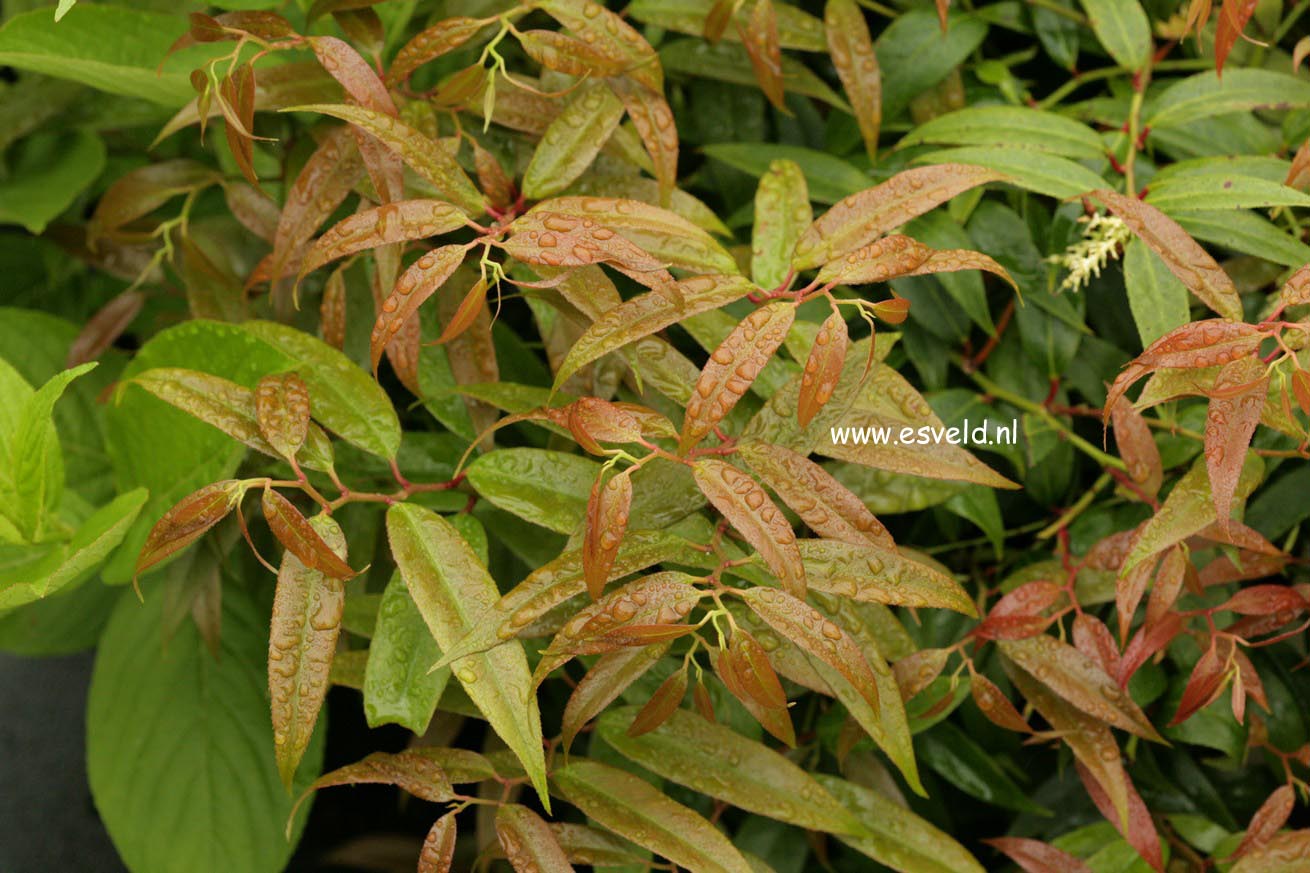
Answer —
661 583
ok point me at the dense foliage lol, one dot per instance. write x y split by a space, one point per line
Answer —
518 369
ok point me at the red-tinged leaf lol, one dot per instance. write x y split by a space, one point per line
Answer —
733 367
861 218
760 39
466 314
253 208
492 178
364 88
104 328
881 260
1234 411
418 283
744 504
1018 614
1233 16
1301 389
662 704
1150 640
1139 829
622 617
566 54
607 520
411 771
300 539
874 574
955 260
426 156
1092 638
1237 534
188 521
1298 175
144 190
1268 820
1223 570
943 9
438 851
1284 853
390 223
754 674
894 311
651 115
853 55
560 240
323 183
607 32
609 677
430 44
528 842
829 508
1205 682
774 719
593 421
1181 254
808 629
1198 15
1129 589
459 90
237 100
917 670
1034 856
823 368
717 20
647 313
1264 600
1080 681
282 411
307 610
332 310
993 703
700 697
1137 447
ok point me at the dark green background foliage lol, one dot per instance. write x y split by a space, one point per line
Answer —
576 452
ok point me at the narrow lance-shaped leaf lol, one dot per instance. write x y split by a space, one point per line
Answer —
876 574
105 327
609 33
1268 820
1139 829
430 44
412 290
438 851
528 842
1233 16
1182 254
607 520
389 223
282 411
307 610
782 212
863 217
853 55
744 667
744 504
733 367
466 314
568 54
323 183
560 240
1034 856
666 700
760 38
609 677
573 139
633 808
881 260
300 538
1235 403
1137 447
823 368
956 260
188 521
237 100
651 115
993 703
411 771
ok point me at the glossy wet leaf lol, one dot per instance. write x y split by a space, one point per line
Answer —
399 686
608 510
852 52
188 521
438 852
301 538
609 677
418 283
760 38
390 223
1034 856
572 140
649 609
1237 398
748 508
427 45
877 574
782 212
823 368
282 409
528 842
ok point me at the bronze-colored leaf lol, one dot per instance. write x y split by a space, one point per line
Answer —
857 66
607 32
104 328
405 221
567 54
662 704
1137 447
609 677
528 842
993 703
1034 856
651 115
430 44
325 180
418 283
282 411
823 368
744 504
879 261
188 521
760 38
300 538
438 851
1235 404
1233 16
607 520
411 771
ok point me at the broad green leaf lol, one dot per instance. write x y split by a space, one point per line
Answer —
452 589
1247 233
1047 174
1157 298
1123 29
344 398
720 762
829 178
573 139
77 48
543 487
398 686
897 837
729 62
47 175
647 313
797 29
1240 90
1183 194
915 54
180 747
951 752
633 808
782 212
67 564
1010 127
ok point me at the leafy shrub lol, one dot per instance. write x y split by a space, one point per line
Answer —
539 334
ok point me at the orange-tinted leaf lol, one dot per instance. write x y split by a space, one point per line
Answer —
528 842
438 851
282 410
492 178
300 539
430 44
1233 16
607 520
829 508
1149 641
1268 820
760 38
1264 600
323 183
607 32
560 240
390 223
364 88
1205 683
1298 175
993 703
237 99
1301 389
1181 254
620 617
1079 680
823 368
609 677
1092 638
144 190
863 217
704 705
332 310
1140 829
917 670
1018 615
466 314
412 290
105 327
1034 856
411 771
755 675
667 698
567 54
733 367
651 115
744 504
881 260
1208 343
1234 411
893 310
188 521
717 20
1137 447
857 66
306 621
955 260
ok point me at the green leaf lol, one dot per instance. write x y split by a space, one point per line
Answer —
180 747
959 760
898 838
1240 90
1123 29
915 54
452 588
343 397
633 808
398 687
720 762
574 138
110 48
46 176
1157 297
1046 174
873 574
1011 127
1222 192
782 212
728 62
543 487
797 29
829 177
1247 233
